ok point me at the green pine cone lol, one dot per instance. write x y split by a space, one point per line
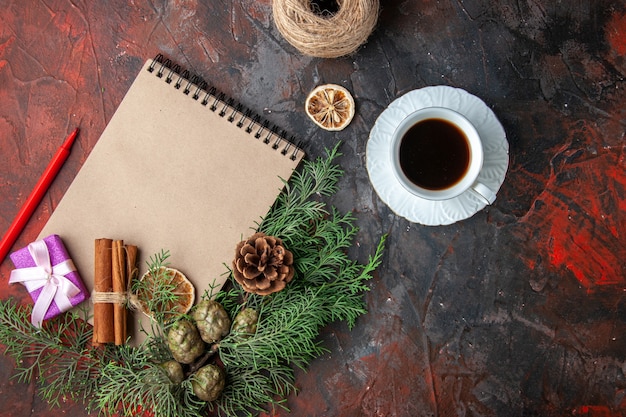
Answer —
184 341
174 371
212 320
246 321
208 382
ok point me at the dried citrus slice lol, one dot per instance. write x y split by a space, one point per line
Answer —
330 106
167 292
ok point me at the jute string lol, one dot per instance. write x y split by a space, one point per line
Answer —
341 33
98 297
120 298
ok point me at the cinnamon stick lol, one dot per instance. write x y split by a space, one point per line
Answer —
119 288
103 331
131 264
132 273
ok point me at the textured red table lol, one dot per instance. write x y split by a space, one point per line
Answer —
518 310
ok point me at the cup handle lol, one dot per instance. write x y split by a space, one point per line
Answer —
484 192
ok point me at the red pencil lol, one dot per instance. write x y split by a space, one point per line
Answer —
36 195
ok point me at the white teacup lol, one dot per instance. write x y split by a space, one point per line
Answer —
437 154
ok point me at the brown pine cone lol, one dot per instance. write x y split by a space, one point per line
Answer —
262 265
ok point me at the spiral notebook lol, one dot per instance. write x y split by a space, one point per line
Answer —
179 167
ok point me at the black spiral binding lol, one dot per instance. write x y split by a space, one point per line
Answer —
216 101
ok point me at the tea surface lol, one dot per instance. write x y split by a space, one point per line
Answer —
434 154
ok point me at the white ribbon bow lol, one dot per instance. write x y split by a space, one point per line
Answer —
55 286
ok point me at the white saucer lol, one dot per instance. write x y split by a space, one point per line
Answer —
406 204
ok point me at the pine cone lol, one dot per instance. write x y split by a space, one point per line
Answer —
212 320
246 321
208 383
174 371
262 265
183 340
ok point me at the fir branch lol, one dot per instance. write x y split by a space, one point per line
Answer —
328 286
291 319
230 298
57 355
137 384
294 207
125 380
286 333
158 293
317 258
249 390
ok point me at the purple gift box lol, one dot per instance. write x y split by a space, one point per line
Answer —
56 249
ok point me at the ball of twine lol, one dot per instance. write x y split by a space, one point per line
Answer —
326 35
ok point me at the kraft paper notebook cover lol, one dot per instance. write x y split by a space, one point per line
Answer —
180 168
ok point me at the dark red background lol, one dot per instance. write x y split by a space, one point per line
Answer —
519 310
